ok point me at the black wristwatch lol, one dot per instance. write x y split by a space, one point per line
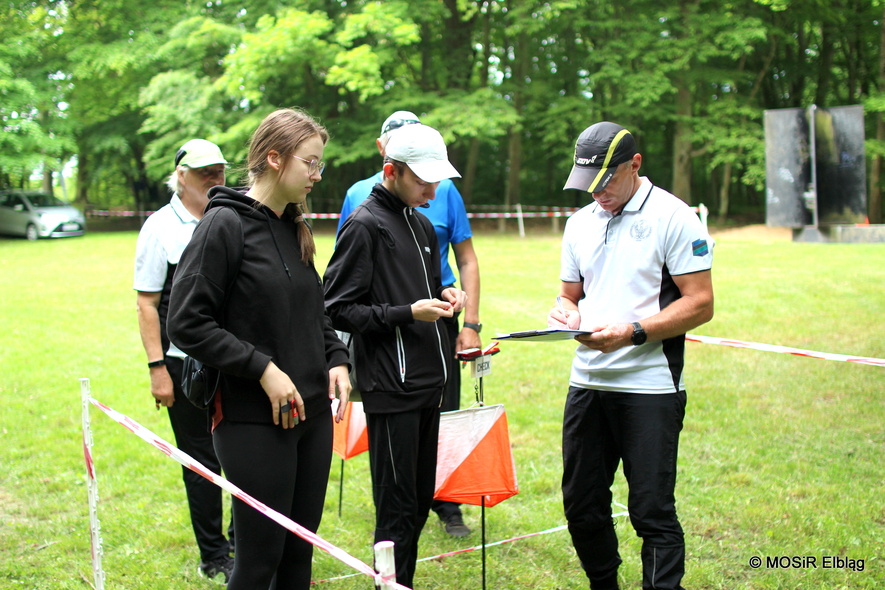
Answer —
639 336
472 326
158 363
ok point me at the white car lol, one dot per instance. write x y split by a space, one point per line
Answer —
38 215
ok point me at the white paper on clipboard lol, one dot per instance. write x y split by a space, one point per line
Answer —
543 335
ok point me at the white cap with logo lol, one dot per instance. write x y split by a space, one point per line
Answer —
423 149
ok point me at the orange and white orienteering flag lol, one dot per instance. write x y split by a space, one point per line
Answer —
474 459
350 437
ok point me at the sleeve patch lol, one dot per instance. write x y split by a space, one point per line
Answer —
700 248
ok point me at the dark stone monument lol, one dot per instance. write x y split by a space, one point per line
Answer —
816 174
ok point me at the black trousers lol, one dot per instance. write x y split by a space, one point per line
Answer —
451 402
402 457
600 429
288 470
204 499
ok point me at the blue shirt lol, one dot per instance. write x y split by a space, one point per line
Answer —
446 212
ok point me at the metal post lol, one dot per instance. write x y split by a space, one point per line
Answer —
341 489
481 399
483 512
812 141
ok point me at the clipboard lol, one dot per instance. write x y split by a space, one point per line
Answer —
543 335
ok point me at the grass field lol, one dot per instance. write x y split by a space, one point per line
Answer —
781 456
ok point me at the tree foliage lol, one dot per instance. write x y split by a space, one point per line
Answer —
509 83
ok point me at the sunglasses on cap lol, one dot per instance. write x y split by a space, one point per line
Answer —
397 123
208 171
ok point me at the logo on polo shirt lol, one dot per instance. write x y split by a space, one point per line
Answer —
640 230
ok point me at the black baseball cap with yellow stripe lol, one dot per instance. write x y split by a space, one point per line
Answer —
600 148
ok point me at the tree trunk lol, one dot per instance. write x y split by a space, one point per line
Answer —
824 67
457 33
46 183
470 172
724 193
82 175
514 146
514 156
473 150
682 144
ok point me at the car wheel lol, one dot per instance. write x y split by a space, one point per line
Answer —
31 232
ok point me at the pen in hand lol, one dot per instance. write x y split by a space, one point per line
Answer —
566 321
561 308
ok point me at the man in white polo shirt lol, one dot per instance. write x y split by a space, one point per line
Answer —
199 166
636 272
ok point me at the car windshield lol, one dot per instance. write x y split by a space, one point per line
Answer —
44 200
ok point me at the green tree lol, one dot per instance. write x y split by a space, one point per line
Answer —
36 131
509 83
112 47
184 101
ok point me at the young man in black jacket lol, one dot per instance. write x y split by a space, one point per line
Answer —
383 285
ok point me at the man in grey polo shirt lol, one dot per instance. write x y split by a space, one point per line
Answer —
636 272
199 166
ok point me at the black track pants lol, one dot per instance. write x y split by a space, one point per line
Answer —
204 499
451 402
600 429
402 456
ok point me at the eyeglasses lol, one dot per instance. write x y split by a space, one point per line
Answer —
397 123
207 171
313 166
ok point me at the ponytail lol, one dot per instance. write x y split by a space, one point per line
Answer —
305 234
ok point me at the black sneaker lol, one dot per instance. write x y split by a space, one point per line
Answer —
220 565
455 526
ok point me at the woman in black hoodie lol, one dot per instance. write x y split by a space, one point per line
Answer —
247 299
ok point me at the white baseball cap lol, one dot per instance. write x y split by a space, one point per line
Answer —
423 149
198 153
397 120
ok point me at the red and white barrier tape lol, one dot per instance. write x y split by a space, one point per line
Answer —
108 213
500 215
526 212
863 360
517 215
477 547
221 482
624 512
